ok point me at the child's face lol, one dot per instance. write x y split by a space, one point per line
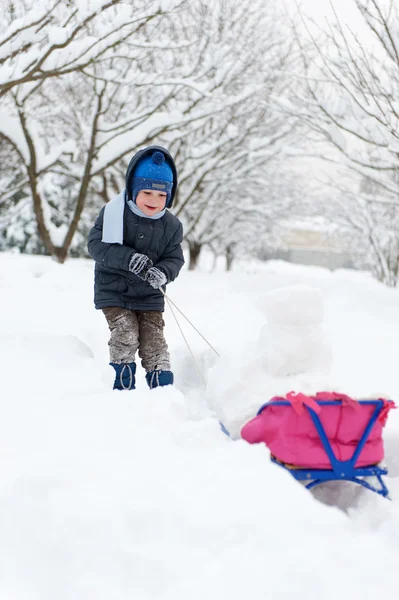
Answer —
150 202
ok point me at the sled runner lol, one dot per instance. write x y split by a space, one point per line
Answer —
326 437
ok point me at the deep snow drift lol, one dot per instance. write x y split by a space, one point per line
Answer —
139 494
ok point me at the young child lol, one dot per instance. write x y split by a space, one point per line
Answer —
136 244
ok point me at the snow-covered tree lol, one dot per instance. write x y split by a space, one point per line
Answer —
43 39
367 226
233 133
350 99
69 131
198 77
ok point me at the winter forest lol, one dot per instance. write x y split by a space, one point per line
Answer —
274 116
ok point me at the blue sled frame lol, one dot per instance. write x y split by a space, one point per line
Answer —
341 470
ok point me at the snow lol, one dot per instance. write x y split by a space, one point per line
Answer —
293 340
58 35
139 494
11 128
292 352
118 145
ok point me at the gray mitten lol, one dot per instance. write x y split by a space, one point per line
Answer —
156 278
139 264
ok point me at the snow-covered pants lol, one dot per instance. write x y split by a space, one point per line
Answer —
133 330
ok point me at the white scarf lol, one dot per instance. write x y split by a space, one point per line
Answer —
113 218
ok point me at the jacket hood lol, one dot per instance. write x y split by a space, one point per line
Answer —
149 150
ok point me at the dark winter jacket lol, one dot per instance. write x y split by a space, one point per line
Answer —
160 239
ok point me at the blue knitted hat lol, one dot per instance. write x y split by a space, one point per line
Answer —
152 173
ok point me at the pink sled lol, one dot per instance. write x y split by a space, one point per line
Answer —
324 437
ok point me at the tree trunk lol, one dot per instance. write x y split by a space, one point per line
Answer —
195 250
215 262
229 254
43 232
84 186
60 253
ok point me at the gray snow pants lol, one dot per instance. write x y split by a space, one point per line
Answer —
133 330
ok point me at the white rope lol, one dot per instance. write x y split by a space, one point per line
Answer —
188 320
184 337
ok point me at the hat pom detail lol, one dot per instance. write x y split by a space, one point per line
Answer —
158 158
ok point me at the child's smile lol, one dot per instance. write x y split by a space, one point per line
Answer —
150 202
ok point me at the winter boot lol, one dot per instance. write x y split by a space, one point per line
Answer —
159 378
125 376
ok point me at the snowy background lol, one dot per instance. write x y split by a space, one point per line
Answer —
288 106
139 494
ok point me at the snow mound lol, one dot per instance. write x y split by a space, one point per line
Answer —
292 353
46 346
296 305
38 362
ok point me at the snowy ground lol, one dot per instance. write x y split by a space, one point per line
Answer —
107 495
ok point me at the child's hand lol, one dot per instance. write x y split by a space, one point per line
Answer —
156 278
139 265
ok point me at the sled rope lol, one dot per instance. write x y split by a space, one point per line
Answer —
188 320
184 337
171 304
